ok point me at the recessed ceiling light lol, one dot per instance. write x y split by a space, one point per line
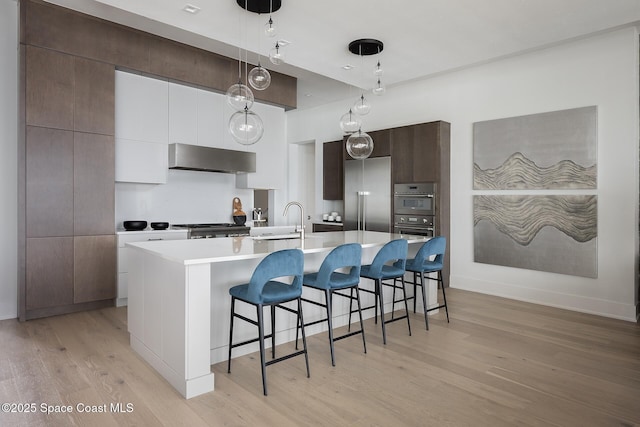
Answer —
347 67
189 8
308 95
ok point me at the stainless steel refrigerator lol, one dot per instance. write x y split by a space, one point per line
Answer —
367 194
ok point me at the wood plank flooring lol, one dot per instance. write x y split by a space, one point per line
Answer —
498 363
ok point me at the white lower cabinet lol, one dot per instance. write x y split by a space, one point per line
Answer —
123 253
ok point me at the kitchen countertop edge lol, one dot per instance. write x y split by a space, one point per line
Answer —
226 249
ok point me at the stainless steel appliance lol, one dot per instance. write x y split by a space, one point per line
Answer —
213 230
367 194
414 208
208 159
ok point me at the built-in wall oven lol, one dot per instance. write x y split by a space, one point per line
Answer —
414 207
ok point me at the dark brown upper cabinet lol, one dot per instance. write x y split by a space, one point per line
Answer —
94 97
332 171
49 88
416 153
381 144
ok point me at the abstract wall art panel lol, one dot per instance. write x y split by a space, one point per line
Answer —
553 150
553 233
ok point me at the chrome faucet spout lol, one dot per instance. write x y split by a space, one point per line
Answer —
286 208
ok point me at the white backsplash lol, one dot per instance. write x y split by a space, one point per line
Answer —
187 197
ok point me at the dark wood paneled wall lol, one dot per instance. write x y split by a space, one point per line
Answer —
66 186
83 36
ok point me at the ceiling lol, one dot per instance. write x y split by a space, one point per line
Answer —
421 38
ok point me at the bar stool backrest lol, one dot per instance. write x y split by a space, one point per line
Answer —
435 246
343 256
395 251
284 263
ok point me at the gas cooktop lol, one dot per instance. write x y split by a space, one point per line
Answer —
208 225
214 229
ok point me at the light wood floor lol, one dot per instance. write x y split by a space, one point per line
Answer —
499 362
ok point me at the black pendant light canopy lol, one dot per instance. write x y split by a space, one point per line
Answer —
365 46
260 6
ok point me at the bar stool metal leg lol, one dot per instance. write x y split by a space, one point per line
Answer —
273 331
381 299
406 305
304 337
444 295
233 304
263 365
424 299
364 343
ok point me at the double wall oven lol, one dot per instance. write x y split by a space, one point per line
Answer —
414 208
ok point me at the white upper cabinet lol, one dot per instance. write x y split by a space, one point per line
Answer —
141 161
152 113
141 128
211 124
271 151
183 114
142 108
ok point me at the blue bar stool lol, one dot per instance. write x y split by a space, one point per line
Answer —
422 264
262 290
394 253
331 282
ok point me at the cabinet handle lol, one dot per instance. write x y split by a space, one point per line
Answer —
153 239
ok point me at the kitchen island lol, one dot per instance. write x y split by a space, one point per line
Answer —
179 305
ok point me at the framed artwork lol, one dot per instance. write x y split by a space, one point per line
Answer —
554 150
554 233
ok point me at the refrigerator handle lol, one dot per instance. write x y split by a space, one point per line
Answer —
362 201
358 208
364 211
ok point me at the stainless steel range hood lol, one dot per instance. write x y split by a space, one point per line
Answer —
207 159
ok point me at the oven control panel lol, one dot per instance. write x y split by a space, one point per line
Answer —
417 220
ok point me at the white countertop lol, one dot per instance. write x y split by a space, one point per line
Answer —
203 251
151 230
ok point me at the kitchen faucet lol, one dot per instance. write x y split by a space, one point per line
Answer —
286 208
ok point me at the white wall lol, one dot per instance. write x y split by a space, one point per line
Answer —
601 70
9 159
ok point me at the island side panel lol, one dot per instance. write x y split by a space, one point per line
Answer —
169 320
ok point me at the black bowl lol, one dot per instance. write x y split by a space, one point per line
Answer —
239 219
134 225
159 225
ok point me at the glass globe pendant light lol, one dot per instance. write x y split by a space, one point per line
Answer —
246 127
379 89
362 106
378 71
276 56
259 77
240 96
359 145
349 122
269 29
